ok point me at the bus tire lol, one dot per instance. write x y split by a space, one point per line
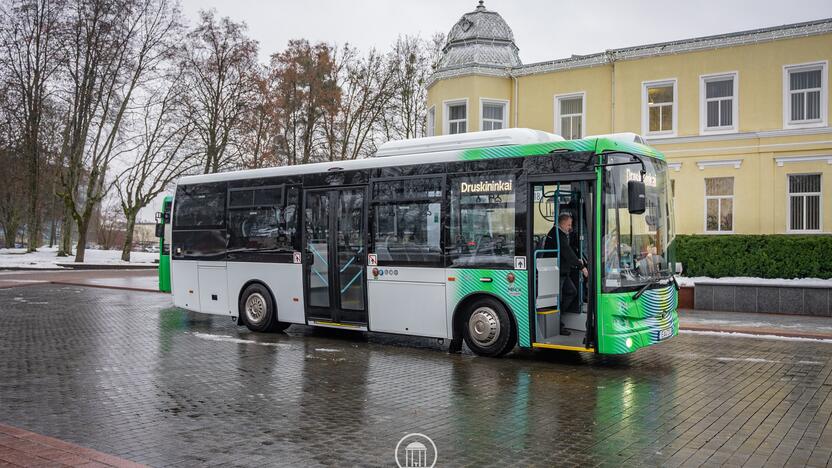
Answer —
487 328
257 309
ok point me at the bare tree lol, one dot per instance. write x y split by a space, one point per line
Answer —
160 156
220 61
109 226
366 87
111 45
414 59
12 205
27 40
306 90
260 126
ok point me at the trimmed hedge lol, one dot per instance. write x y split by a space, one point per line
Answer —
763 256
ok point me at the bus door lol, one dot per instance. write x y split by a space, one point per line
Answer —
561 297
335 229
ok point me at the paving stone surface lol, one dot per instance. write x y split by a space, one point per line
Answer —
123 373
142 280
24 448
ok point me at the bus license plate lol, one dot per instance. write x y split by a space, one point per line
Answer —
666 333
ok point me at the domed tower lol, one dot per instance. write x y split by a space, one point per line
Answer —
481 38
471 87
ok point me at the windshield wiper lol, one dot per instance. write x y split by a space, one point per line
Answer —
645 287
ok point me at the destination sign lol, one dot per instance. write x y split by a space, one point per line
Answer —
490 186
649 179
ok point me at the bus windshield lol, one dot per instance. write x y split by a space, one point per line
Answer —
636 248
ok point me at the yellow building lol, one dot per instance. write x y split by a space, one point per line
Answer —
742 117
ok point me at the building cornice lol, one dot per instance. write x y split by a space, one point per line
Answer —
795 159
735 163
740 136
756 36
479 70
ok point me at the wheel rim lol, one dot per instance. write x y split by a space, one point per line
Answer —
255 308
484 326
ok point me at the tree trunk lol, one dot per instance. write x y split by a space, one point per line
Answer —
53 224
10 232
81 246
33 228
66 235
52 231
128 237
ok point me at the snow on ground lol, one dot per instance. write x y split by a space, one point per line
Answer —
744 280
47 257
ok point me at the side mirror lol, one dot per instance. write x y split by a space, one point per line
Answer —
678 267
636 201
160 230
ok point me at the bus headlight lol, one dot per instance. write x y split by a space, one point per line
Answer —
629 342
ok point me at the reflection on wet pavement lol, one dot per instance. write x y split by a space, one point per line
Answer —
145 279
124 373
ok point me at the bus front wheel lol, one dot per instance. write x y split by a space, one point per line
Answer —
258 310
487 328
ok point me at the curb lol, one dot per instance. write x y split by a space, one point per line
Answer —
757 331
30 269
103 286
115 266
83 266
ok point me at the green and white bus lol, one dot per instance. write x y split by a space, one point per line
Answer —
440 237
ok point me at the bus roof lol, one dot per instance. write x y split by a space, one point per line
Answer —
505 145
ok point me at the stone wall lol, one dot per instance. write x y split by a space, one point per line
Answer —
801 300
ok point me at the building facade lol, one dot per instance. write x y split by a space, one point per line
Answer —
743 118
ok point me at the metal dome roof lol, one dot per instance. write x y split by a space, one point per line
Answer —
480 37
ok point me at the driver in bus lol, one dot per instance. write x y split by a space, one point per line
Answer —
650 262
569 262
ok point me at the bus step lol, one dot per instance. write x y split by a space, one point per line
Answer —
546 311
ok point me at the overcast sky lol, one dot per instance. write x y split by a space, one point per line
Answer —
543 30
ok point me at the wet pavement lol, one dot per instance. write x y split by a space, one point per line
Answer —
140 280
754 323
123 373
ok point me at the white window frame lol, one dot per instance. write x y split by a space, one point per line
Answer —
430 122
645 112
560 97
503 102
719 206
824 94
446 124
704 129
803 194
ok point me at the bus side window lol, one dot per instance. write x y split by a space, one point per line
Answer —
482 230
258 220
407 221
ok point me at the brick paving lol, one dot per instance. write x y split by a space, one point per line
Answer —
123 373
24 448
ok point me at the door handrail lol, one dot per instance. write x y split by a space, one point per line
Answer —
360 272
326 281
352 259
315 251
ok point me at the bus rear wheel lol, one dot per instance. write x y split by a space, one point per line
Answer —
487 328
258 310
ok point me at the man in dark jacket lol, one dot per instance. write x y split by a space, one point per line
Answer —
569 262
